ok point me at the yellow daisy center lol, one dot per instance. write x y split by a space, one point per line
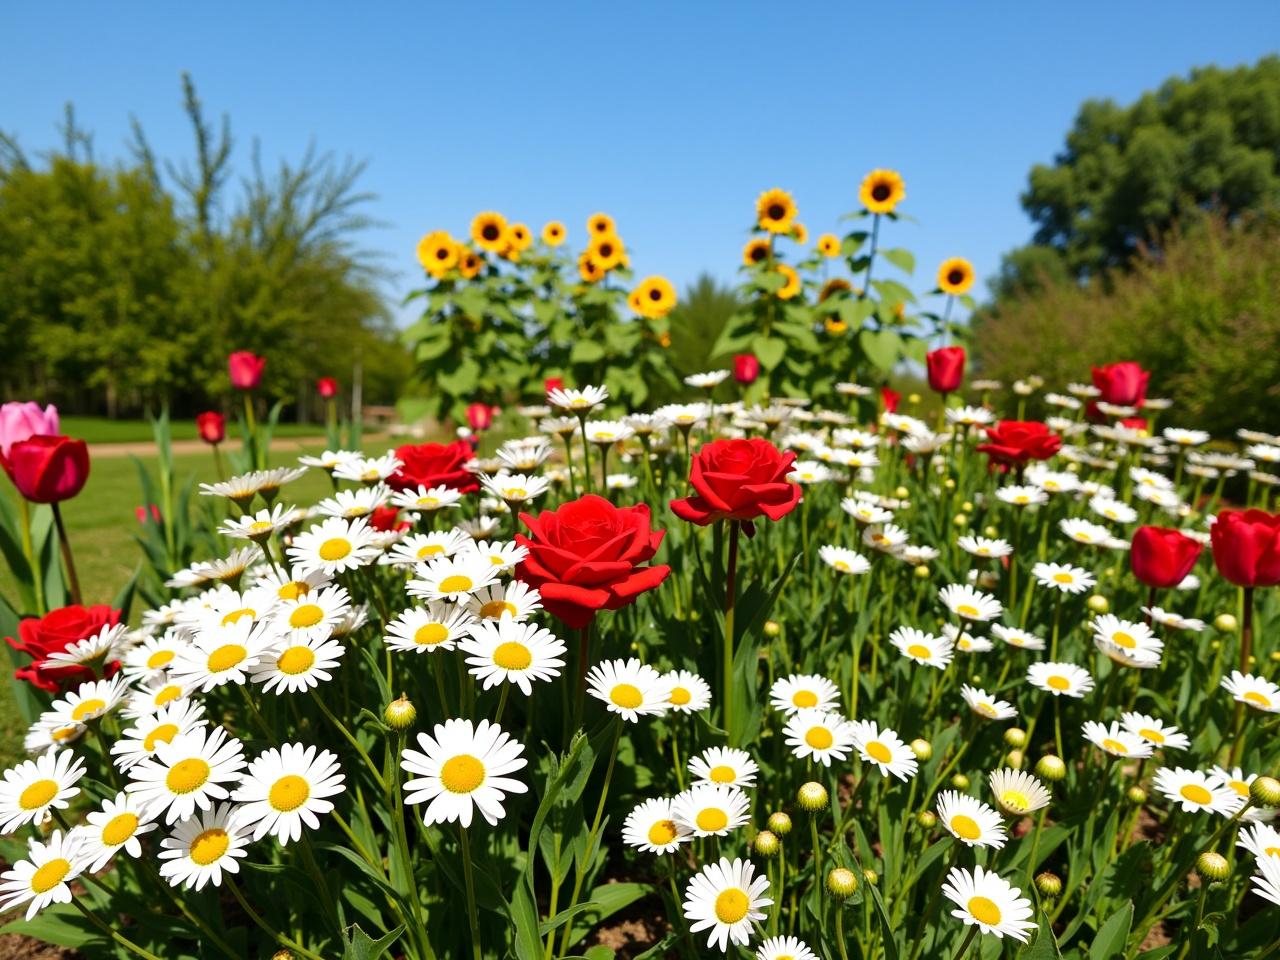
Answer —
804 698
235 615
88 707
428 502
1113 746
1195 793
965 827
64 733
1058 683
1064 577
289 793
50 875
1014 800
515 493
226 657
819 738
1155 736
731 905
1122 639
712 819
187 775
494 609
209 846
430 550
296 660
984 911
662 832
462 774
455 583
1241 788
878 752
512 656
679 696
168 694
119 829
722 774
159 659
986 709
306 615
259 525
37 795
1253 696
967 610
627 696
842 566
429 634
293 590
334 549
919 651
163 733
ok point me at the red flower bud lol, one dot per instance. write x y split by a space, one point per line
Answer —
1015 442
47 469
1246 547
746 368
245 368
327 387
1161 557
946 369
212 426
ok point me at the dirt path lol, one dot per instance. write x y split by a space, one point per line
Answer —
145 448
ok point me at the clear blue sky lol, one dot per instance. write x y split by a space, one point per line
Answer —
670 116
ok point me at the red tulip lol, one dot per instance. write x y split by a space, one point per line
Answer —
47 469
889 399
212 426
1015 442
1161 558
946 369
480 415
552 383
746 368
327 387
151 510
246 369
1124 384
1246 547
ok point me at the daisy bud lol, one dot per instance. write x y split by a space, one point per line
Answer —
960 520
772 628
812 796
913 398
901 493
1136 795
871 877
1015 737
282 955
1213 866
967 506
767 843
990 532
1049 884
921 571
1098 603
1215 644
1051 768
923 750
779 823
1275 656
949 483
927 819
960 781
1265 792
400 714
1014 759
841 883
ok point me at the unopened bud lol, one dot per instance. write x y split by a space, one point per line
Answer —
967 506
1097 603
1015 737
282 955
1051 768
990 532
767 843
1265 791
923 750
1213 866
1049 884
960 781
901 492
913 398
772 628
812 796
1136 795
949 483
1225 622
921 572
871 877
400 714
779 823
1014 759
841 883
927 819
960 520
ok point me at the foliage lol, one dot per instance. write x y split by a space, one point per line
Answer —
122 287
696 324
1201 313
1125 174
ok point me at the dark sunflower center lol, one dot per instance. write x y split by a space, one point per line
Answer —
655 294
606 250
776 211
490 231
757 254
880 192
442 253
955 277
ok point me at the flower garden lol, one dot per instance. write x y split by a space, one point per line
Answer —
792 666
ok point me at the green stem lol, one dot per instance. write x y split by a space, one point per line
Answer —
730 597
73 581
113 934
472 916
274 934
28 550
364 755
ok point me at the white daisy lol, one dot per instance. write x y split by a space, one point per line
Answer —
725 766
295 665
152 657
629 688
726 898
334 545
1017 638
817 734
884 748
1262 840
985 547
257 526
784 948
1196 791
422 547
970 820
351 504
330 459
1266 882
313 616
34 787
453 578
1021 496
843 560
462 767
285 787
512 651
689 692
368 469
187 773
503 556
1154 731
293 583
1115 740
138 742
1063 577
1167 618
43 877
1017 792
865 512
651 826
114 827
202 847
708 380
1133 641
989 902
517 487
1256 692
223 654
985 705
1239 781
885 537
437 626
970 604
515 600
711 809
89 701
1105 506
107 644
923 648
44 737
1083 531
154 695
964 641
1060 679
426 499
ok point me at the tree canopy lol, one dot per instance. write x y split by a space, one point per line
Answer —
1126 173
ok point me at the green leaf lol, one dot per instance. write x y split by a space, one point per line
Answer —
882 347
1110 941
855 312
768 350
1043 946
357 945
586 351
904 260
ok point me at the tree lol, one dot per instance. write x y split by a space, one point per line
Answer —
1209 141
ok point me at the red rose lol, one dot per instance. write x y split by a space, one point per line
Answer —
739 480
434 464
1014 442
47 469
946 369
212 426
1135 423
1246 547
327 387
746 368
245 368
480 415
384 519
588 555
1161 558
53 633
889 399
1124 384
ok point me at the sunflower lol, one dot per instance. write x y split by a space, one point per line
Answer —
833 286
835 327
799 233
829 245
553 233
489 231
775 211
654 297
469 262
438 253
588 268
607 250
881 191
518 236
634 301
792 286
955 276
600 225
756 251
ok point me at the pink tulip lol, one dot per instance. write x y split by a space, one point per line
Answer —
18 421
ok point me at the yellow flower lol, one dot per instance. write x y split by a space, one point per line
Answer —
792 286
588 269
489 231
756 251
664 339
600 225
553 233
469 262
800 233
833 286
519 237
606 250
654 298
955 276
882 190
775 210
835 327
829 245
438 253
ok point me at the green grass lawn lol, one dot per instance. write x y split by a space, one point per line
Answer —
104 430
